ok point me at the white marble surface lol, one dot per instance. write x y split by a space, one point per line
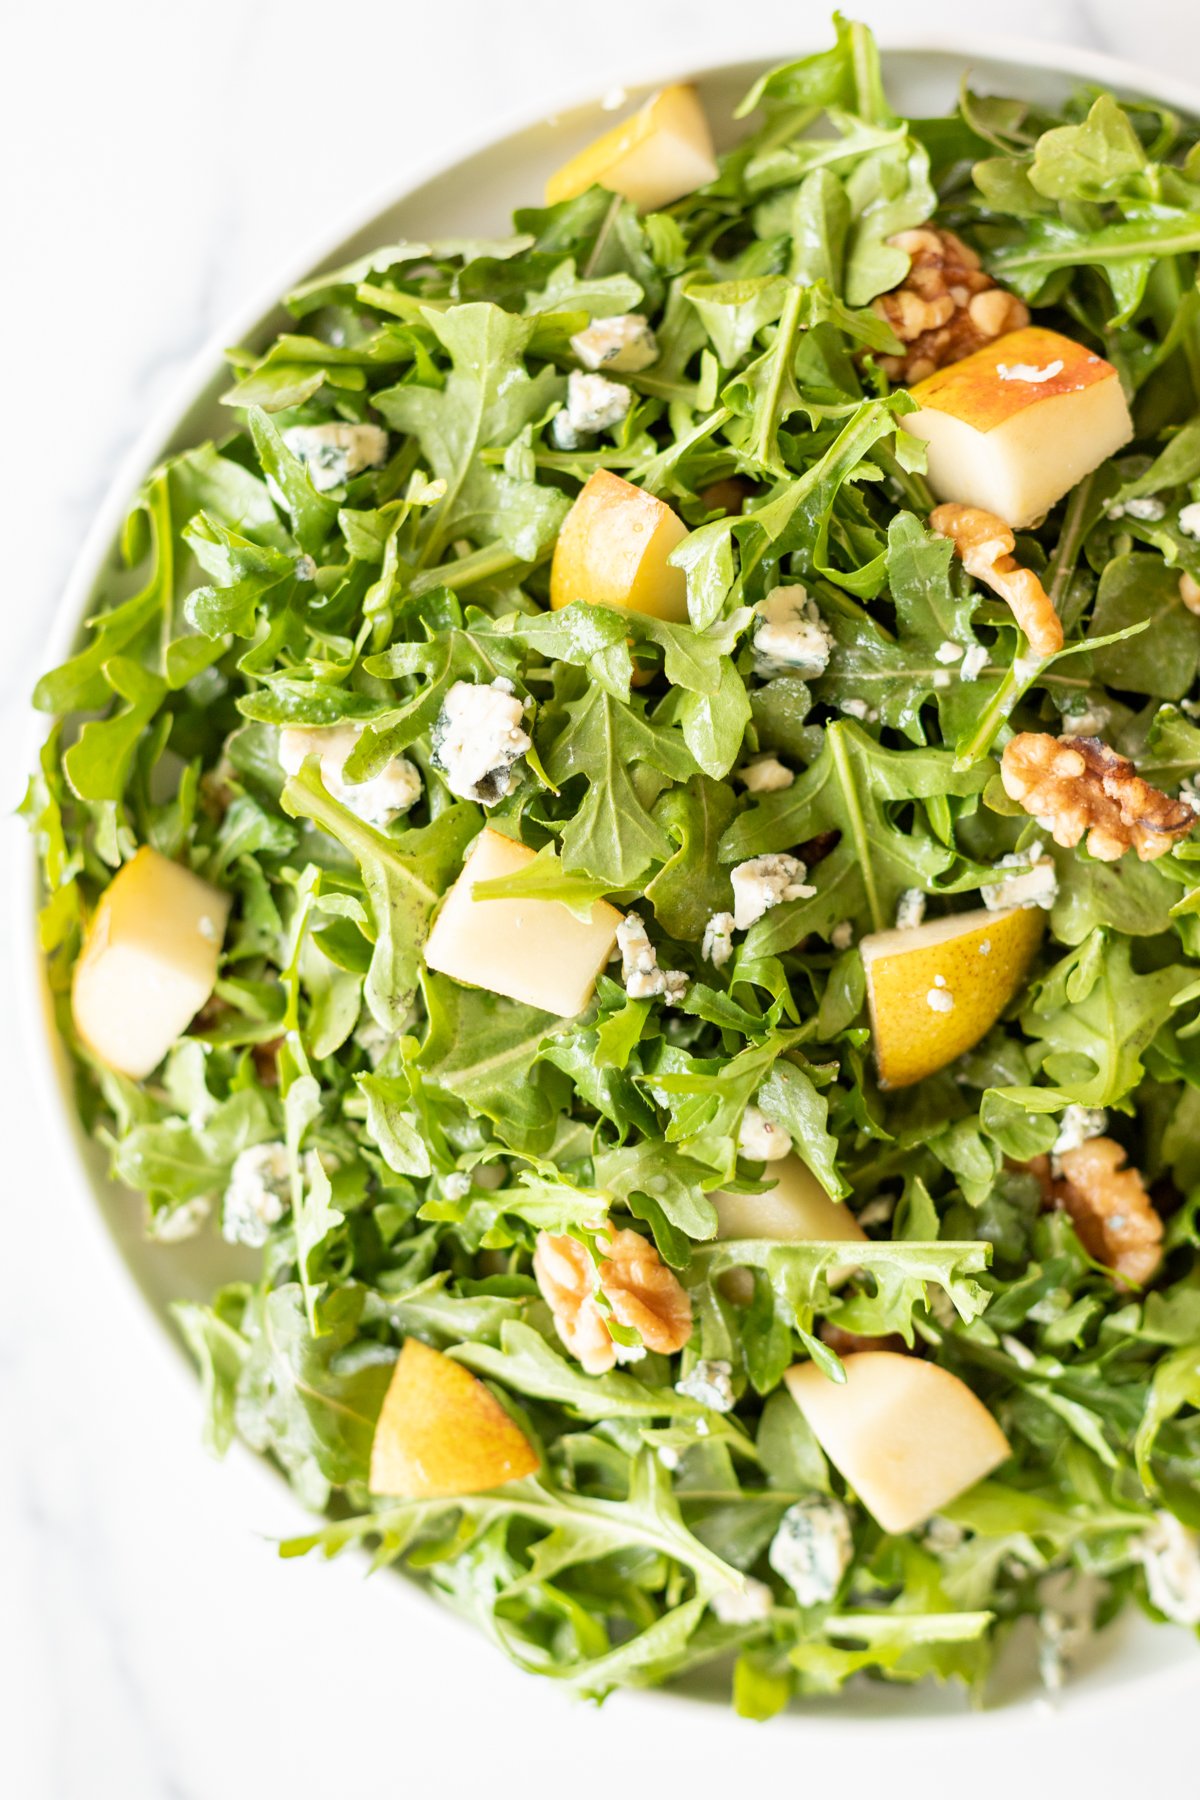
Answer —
153 172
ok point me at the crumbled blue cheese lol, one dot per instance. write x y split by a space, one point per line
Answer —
765 775
973 664
258 1195
1088 721
1029 371
1077 1125
334 453
1189 520
624 343
867 715
812 1549
790 636
710 1384
910 909
594 403
1032 883
1149 509
1060 1638
948 651
717 947
456 1185
842 935
377 801
477 739
174 1224
760 1139
643 978
1189 792
939 999
763 882
562 435
1170 1557
747 1605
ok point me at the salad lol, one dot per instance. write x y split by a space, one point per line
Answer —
624 835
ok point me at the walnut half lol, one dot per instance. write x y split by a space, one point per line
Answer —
945 307
1111 1211
1075 786
639 1288
985 545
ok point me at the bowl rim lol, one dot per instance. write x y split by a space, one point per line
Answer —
48 1059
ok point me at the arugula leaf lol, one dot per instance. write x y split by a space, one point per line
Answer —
613 836
851 789
403 879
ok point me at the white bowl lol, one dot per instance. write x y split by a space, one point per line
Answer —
472 193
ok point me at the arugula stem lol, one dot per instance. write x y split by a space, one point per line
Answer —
1015 680
835 735
601 238
466 571
784 343
914 487
1070 541
852 608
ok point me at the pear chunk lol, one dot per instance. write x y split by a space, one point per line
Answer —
908 1436
613 549
795 1210
936 989
441 1432
1016 425
535 951
148 963
659 154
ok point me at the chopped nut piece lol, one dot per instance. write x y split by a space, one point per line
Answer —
985 545
945 307
1189 592
640 1290
1078 786
1110 1209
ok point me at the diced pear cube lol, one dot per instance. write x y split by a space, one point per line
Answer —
935 989
613 549
148 963
908 1436
441 1432
796 1210
535 951
1014 426
665 150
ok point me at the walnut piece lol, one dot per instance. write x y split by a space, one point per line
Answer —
945 307
1111 1211
640 1290
1075 786
985 544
